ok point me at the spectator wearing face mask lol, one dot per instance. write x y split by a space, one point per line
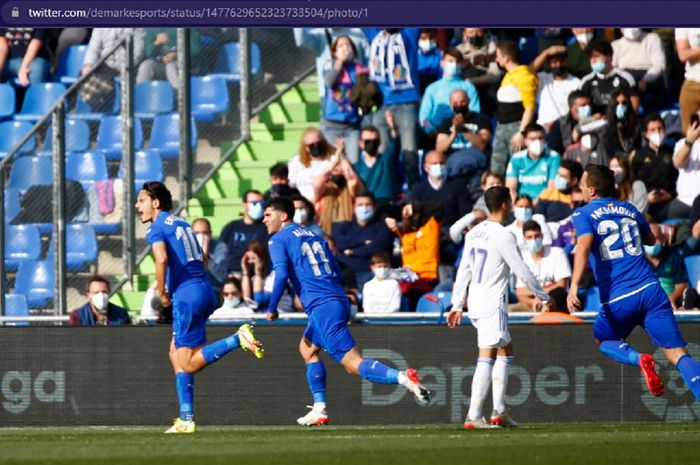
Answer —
357 240
668 265
576 51
478 49
555 203
688 49
98 310
554 86
233 305
305 214
215 253
562 132
628 188
279 183
238 233
258 278
623 122
381 294
315 157
533 169
435 105
378 170
523 211
429 57
479 211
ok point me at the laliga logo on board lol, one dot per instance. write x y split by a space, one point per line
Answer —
677 403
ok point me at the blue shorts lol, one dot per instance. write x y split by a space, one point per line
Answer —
193 303
328 328
648 308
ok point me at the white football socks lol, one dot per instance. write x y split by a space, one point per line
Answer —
499 380
480 387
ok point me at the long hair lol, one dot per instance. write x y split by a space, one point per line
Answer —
304 155
259 248
624 189
629 124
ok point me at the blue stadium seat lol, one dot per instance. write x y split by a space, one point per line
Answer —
227 65
39 99
529 49
77 136
208 97
26 172
16 305
86 167
10 134
7 101
109 136
84 111
165 135
35 280
692 266
81 246
592 299
22 243
70 63
152 98
12 204
147 167
426 305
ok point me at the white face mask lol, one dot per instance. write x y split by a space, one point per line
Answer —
426 45
536 148
202 239
587 142
100 300
255 211
381 273
300 215
437 171
232 303
584 38
632 33
657 138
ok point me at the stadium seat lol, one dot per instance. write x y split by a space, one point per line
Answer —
147 167
26 172
109 137
426 305
77 136
227 65
35 279
70 63
592 299
84 111
7 101
12 204
10 134
165 135
692 266
209 97
39 99
81 246
22 243
16 305
152 98
529 49
86 167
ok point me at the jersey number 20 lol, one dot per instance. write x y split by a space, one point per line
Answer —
311 251
631 240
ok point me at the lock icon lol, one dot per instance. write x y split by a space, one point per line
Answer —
15 12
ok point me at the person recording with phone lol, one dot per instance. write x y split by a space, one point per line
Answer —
686 158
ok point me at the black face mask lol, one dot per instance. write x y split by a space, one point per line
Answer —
278 189
339 180
476 41
559 71
461 110
392 31
372 147
316 150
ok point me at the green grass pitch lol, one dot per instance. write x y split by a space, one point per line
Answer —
629 443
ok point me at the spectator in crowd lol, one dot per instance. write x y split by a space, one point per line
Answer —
238 233
435 104
623 122
215 253
642 55
152 310
377 170
629 188
233 304
24 55
603 80
688 47
515 107
534 168
596 142
652 164
562 132
394 67
258 278
304 214
523 210
340 117
67 37
479 211
463 137
315 157
686 158
381 294
554 86
319 40
549 264
419 234
478 48
555 202
360 238
579 64
429 57
667 263
279 183
161 55
693 241
98 310
563 232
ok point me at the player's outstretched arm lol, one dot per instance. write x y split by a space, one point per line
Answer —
583 248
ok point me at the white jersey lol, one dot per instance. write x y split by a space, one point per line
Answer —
490 253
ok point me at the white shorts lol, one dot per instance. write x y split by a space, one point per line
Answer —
492 331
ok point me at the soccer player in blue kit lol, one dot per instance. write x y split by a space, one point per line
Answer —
304 258
613 232
178 254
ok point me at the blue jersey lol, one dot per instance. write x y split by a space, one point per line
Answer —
307 260
185 258
617 253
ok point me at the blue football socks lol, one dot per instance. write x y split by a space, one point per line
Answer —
620 352
690 371
316 377
218 349
377 372
185 393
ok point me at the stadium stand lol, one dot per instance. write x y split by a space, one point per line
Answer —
38 100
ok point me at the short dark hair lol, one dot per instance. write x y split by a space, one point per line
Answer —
531 225
367 195
157 190
96 279
235 281
496 196
380 257
282 204
575 95
205 220
533 127
493 174
308 206
600 46
602 178
250 191
280 170
370 128
454 53
523 197
573 167
509 49
652 117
